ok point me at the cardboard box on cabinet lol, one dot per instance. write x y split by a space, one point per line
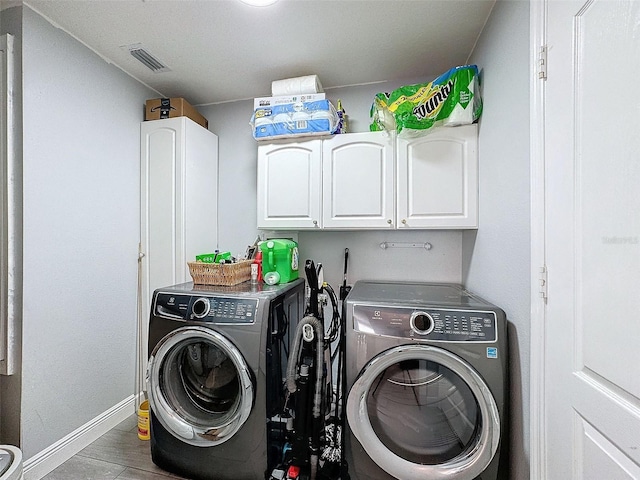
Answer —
158 108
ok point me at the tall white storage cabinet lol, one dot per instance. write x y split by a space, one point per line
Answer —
179 200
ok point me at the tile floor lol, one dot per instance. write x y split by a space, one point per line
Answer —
117 455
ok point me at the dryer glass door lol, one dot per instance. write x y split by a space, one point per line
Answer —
199 386
421 412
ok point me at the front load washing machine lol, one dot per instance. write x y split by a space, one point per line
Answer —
10 463
427 372
215 377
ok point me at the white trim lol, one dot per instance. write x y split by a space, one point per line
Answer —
9 214
55 455
538 22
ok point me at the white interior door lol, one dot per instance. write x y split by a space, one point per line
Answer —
592 209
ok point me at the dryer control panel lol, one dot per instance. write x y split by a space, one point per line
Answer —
434 324
214 309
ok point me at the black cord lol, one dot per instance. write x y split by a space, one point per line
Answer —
344 467
334 327
336 332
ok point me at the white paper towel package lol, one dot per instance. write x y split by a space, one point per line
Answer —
296 86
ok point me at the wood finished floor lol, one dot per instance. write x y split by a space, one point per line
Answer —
117 455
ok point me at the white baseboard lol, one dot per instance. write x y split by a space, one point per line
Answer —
55 455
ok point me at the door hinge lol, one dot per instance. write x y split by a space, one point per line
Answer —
543 282
542 63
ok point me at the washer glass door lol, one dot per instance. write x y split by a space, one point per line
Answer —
421 412
199 386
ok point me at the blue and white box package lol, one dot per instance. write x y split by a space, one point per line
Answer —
294 120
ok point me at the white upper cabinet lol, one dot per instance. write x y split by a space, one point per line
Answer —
370 181
289 185
357 186
438 179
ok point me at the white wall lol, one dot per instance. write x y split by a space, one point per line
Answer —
81 233
237 203
237 173
496 260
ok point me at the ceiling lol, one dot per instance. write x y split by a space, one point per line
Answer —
224 50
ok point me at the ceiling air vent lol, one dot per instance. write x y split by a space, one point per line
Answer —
143 56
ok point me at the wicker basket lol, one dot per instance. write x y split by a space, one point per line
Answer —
220 274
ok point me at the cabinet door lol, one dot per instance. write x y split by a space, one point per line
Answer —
289 185
161 212
438 179
358 187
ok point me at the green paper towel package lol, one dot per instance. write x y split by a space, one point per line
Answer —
279 260
451 99
215 257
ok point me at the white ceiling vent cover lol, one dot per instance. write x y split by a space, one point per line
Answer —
140 53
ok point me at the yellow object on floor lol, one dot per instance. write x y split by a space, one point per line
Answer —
143 421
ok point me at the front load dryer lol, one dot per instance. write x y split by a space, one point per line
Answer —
215 377
427 377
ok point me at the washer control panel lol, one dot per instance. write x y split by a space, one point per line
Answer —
205 309
435 324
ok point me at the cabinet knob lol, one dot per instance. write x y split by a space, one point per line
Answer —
404 221
315 222
389 222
